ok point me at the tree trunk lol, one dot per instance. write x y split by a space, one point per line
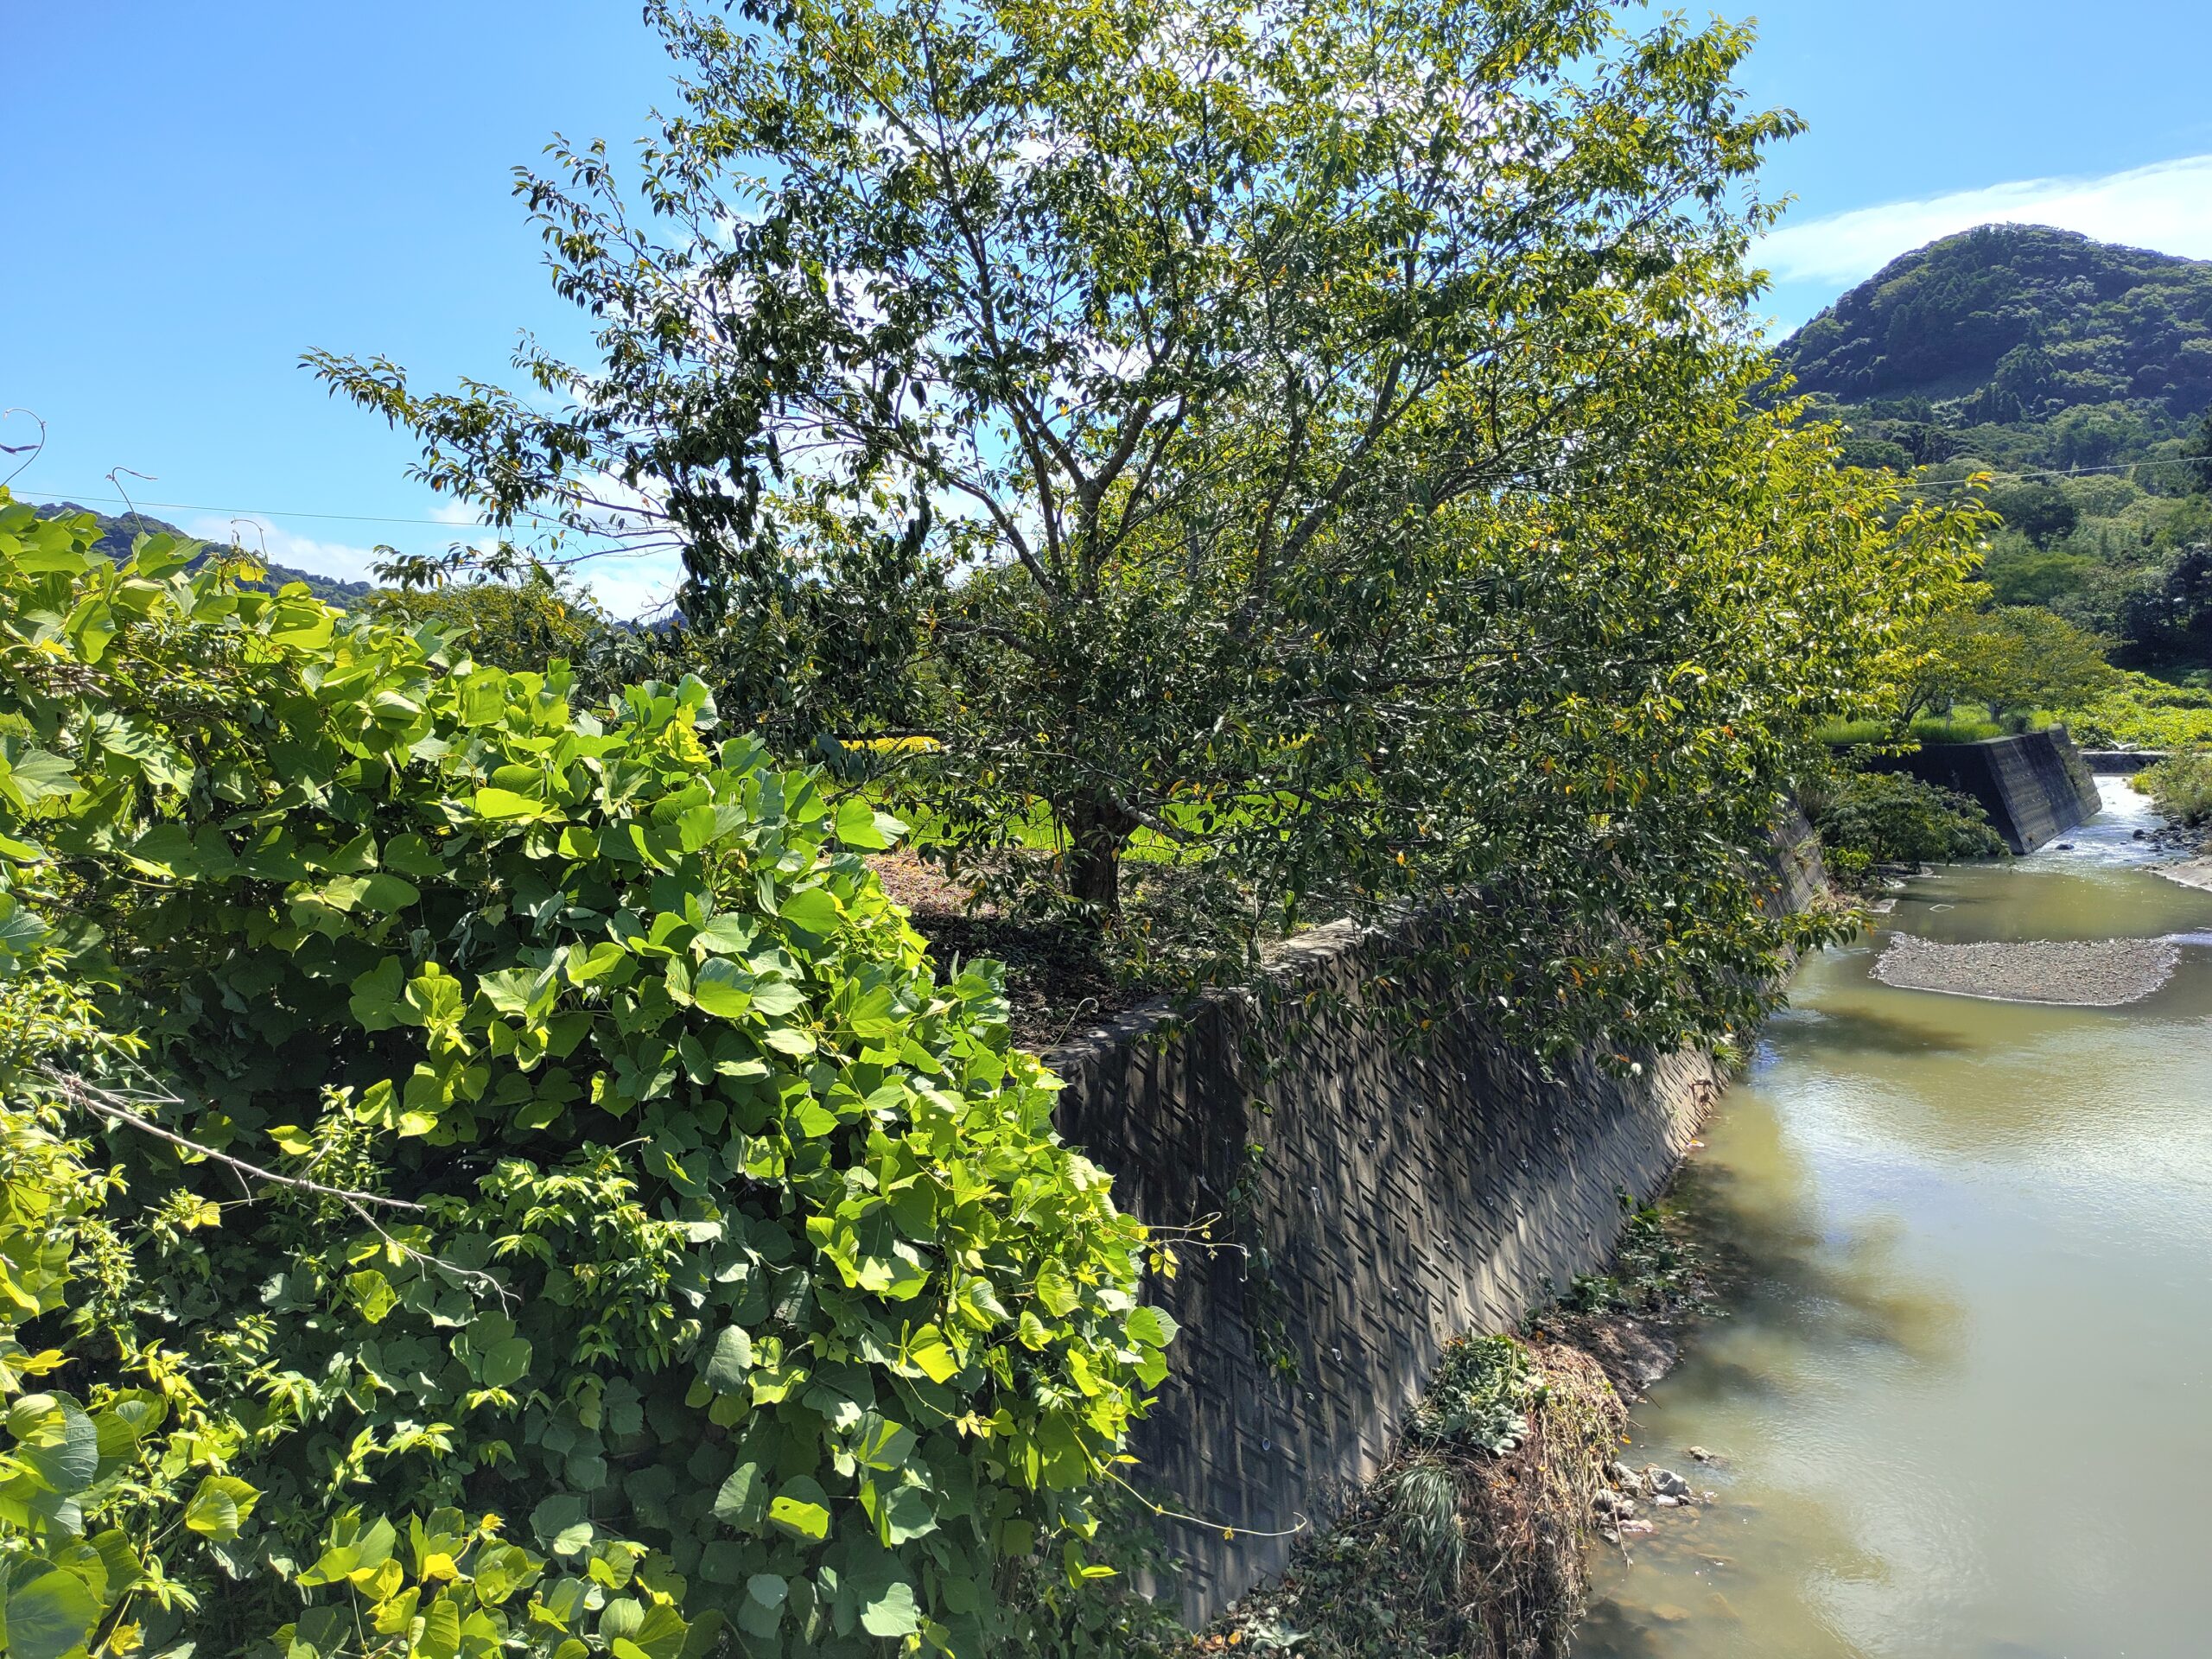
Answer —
1097 831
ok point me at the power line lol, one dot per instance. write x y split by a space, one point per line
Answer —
447 523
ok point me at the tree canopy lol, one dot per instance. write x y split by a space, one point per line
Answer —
1307 446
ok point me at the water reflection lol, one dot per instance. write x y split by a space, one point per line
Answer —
1959 1396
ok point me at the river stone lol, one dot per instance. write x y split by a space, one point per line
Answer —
1668 1484
2079 973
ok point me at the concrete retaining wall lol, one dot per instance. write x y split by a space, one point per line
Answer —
2034 786
1406 1197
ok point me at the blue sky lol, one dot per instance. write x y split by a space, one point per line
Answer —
215 189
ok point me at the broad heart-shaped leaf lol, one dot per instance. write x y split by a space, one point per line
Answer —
892 1613
34 774
801 1508
730 1362
902 1513
386 893
376 993
49 1617
775 997
742 1502
64 1449
862 826
505 803
441 1636
814 909
1154 1327
659 1634
219 1507
882 1444
554 1523
20 928
411 855
722 988
505 1363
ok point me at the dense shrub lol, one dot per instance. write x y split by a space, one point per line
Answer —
2144 713
1878 817
2181 787
579 1211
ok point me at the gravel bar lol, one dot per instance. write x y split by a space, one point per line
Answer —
2197 873
2087 973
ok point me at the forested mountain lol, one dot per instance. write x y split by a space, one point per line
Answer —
2081 374
2019 345
118 531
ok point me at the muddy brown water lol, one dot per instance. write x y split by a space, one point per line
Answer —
1961 1395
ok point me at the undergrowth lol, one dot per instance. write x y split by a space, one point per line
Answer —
1656 1269
1471 1541
2182 787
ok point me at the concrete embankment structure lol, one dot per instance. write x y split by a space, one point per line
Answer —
2034 786
1407 1193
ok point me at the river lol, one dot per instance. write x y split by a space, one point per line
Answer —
1961 1396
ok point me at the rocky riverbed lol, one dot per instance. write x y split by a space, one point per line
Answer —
2078 973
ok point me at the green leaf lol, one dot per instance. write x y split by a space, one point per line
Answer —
505 1363
660 1635
802 1509
557 1521
742 1502
814 909
376 1000
411 855
441 1636
892 1613
372 1293
64 1449
777 997
384 892
860 825
504 803
882 1443
49 1617
219 1507
1153 1326
731 1363
767 1589
1057 1290
723 988
903 1513
622 1618
20 928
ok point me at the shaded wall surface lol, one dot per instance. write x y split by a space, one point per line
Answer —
2034 786
1407 1195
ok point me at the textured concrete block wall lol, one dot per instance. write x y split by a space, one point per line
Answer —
1408 1196
2034 786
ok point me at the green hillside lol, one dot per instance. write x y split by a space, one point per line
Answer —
118 531
2080 373
2023 345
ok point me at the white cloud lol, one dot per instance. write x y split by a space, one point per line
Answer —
2167 207
280 546
632 587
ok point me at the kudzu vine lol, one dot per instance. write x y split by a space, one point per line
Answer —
710 1273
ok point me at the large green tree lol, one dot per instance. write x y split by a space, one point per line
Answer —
1305 443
